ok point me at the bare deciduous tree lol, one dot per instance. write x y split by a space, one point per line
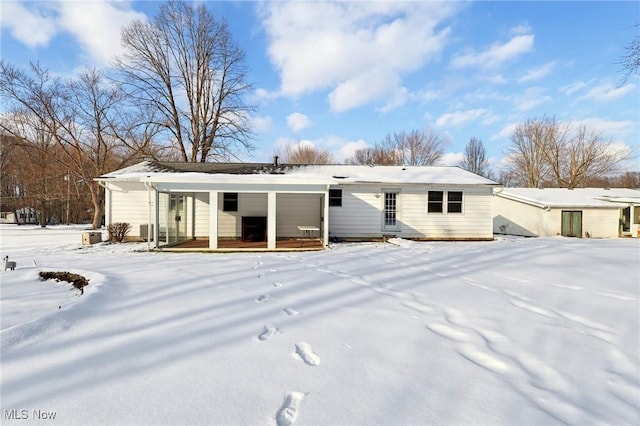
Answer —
29 100
415 148
419 148
475 158
373 156
630 61
304 153
84 117
185 66
528 166
587 155
544 152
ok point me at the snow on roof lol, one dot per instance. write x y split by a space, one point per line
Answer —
325 174
578 197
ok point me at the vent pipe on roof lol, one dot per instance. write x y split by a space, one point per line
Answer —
275 161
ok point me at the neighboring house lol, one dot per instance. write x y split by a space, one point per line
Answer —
173 203
580 212
25 216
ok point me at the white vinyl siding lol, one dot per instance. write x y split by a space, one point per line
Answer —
201 214
362 206
294 210
249 204
517 218
360 215
599 223
474 222
130 204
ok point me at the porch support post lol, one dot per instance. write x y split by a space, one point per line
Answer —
213 219
271 220
156 227
325 218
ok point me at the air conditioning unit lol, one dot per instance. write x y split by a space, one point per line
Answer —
144 232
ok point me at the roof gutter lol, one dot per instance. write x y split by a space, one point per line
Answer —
521 200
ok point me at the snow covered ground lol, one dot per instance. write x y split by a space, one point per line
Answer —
515 331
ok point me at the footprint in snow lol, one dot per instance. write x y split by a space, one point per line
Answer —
289 411
262 298
277 284
291 312
304 352
268 331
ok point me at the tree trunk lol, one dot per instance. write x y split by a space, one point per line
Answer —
98 208
43 214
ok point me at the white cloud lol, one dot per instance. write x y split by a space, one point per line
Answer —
459 117
357 50
495 79
521 29
362 89
298 121
261 95
429 95
262 123
607 92
496 54
451 159
570 89
30 25
95 25
343 149
531 98
397 98
537 73
505 132
607 127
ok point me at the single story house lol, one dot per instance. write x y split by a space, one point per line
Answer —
216 206
579 212
22 216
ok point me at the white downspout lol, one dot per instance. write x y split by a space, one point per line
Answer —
325 224
149 186
107 203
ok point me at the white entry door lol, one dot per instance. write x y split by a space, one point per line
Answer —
390 220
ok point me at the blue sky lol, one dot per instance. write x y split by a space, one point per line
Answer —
342 75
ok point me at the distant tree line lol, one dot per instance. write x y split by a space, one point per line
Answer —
542 153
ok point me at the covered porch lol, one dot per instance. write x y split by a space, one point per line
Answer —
236 217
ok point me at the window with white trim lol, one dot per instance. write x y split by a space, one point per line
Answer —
230 201
335 198
454 202
435 202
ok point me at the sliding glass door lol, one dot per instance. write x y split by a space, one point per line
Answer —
175 218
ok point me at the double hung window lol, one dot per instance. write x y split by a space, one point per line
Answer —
438 200
230 202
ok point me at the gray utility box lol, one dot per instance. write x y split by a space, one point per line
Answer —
89 238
